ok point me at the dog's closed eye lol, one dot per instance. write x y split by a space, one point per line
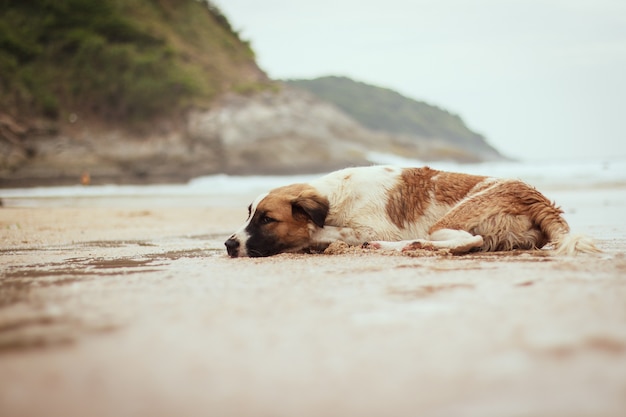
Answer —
267 219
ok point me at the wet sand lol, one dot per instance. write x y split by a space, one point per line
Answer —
135 310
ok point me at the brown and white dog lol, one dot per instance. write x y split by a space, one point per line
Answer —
404 208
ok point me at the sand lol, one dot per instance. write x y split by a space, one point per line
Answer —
135 310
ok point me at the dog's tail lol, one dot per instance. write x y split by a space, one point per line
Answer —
569 244
550 219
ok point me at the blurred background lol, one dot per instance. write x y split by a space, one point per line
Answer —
164 91
540 79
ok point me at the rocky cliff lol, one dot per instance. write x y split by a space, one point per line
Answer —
275 132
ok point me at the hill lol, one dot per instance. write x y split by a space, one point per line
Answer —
385 110
119 60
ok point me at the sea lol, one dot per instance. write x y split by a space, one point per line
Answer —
592 193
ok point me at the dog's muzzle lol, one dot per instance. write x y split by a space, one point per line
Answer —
232 247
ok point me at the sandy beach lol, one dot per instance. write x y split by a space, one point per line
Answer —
116 309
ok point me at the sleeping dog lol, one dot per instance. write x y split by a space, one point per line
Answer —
386 207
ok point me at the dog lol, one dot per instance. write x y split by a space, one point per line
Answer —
387 207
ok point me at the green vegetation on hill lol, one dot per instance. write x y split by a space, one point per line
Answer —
122 60
388 111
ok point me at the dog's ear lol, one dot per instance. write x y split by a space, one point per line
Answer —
311 204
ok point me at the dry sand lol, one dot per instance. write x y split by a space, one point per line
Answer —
136 311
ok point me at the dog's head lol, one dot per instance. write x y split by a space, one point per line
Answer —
280 221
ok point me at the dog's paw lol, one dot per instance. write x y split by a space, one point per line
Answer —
371 245
384 245
419 244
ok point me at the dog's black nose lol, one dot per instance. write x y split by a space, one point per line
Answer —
232 247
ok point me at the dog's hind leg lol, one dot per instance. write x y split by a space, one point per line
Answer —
457 241
511 215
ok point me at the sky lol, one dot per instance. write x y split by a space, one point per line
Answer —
540 79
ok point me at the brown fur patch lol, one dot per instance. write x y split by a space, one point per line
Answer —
451 187
410 198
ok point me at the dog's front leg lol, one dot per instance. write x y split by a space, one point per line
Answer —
329 234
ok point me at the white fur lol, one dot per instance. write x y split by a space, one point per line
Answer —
357 200
241 235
